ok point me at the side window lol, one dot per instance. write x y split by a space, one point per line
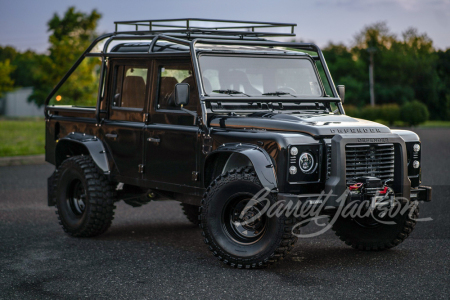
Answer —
130 86
168 77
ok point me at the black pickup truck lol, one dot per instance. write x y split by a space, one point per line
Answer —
231 125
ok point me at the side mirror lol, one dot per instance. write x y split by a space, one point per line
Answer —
181 94
341 92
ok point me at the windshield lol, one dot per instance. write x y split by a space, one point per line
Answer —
258 76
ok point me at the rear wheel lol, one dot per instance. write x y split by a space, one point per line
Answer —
191 212
84 198
243 238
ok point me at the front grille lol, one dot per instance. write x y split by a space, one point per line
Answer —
328 160
376 160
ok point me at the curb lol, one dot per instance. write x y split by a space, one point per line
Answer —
22 160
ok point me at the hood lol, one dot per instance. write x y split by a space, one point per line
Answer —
312 124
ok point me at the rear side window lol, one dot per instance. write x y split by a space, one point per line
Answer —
169 76
130 86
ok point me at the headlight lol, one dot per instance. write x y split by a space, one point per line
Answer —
416 147
293 170
306 162
416 164
294 151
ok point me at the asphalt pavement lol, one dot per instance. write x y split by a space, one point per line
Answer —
153 252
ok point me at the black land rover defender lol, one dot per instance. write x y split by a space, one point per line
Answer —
218 117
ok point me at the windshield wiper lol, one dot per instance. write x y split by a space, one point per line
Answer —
230 92
277 93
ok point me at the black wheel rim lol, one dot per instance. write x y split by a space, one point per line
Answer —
76 197
244 227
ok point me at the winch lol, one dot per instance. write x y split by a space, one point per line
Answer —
366 188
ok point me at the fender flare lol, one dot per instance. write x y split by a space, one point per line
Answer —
259 158
80 143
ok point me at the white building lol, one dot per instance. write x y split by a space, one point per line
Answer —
15 104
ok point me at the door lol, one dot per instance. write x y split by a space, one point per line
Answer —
123 128
172 137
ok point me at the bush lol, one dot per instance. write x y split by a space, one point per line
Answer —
384 114
352 111
381 121
390 113
371 113
414 113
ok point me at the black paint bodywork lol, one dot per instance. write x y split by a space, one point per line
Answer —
177 154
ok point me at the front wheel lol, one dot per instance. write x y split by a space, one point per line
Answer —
238 236
369 234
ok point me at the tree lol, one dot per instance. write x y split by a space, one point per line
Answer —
406 68
443 71
6 83
70 37
24 63
349 71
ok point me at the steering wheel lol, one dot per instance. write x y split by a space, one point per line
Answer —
287 90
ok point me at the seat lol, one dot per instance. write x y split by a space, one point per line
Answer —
207 85
133 94
239 78
166 88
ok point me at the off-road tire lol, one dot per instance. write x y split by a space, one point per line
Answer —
383 237
272 247
99 195
191 212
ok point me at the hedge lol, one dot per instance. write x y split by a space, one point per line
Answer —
412 113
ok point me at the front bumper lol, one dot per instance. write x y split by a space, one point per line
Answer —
422 193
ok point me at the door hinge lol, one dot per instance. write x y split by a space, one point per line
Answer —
194 176
141 168
145 118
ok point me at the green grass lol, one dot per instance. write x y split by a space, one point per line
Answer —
435 124
22 136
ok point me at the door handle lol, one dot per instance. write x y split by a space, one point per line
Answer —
111 136
154 140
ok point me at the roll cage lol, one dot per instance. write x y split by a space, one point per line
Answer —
245 34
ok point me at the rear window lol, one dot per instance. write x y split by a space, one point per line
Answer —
81 88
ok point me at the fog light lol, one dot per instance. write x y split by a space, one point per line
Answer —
294 151
293 170
416 147
416 164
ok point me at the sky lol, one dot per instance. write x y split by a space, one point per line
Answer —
23 23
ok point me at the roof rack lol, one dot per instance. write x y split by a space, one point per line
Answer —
186 26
